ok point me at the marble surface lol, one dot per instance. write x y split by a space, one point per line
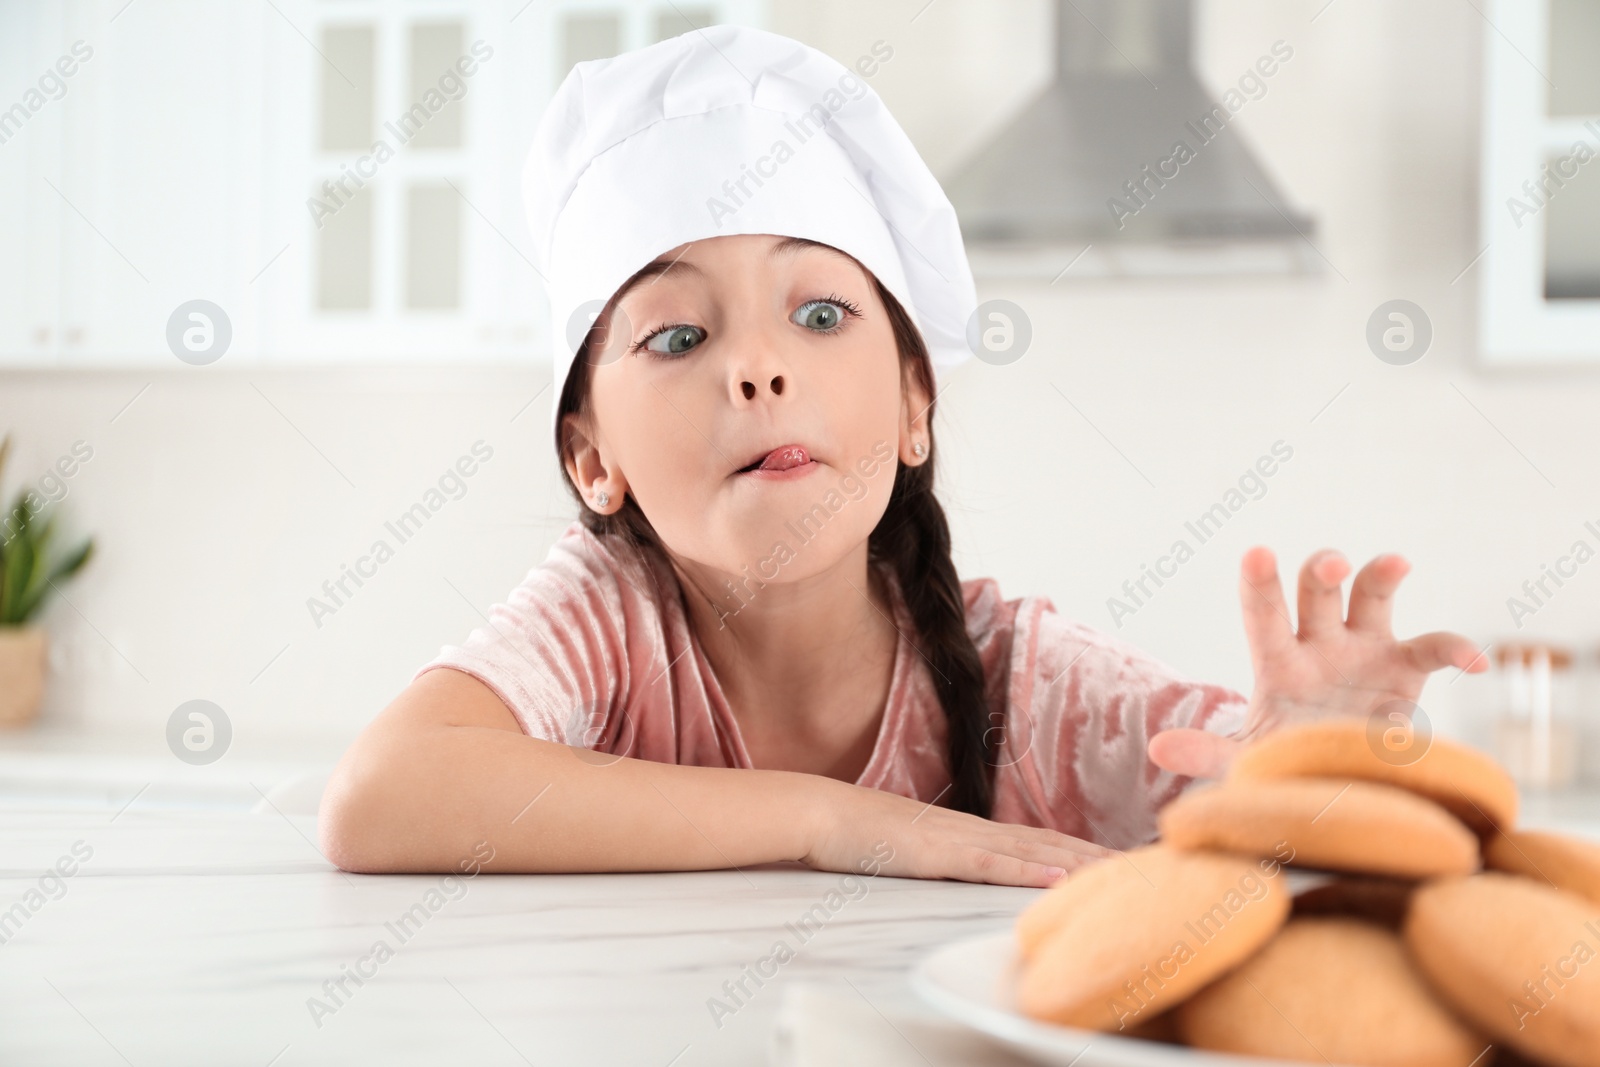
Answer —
196 937
197 931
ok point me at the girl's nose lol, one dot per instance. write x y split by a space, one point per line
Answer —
749 388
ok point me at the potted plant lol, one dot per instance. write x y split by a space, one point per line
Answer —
29 572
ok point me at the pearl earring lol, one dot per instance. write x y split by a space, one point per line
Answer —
919 449
602 498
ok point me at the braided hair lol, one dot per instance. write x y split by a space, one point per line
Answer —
912 540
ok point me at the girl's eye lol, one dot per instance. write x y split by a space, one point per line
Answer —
673 340
824 316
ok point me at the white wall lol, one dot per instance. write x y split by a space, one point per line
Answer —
217 517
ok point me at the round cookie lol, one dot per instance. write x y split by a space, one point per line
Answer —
1515 957
1334 824
1464 781
1569 863
1128 936
1329 989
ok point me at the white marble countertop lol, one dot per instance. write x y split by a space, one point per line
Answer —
194 937
200 932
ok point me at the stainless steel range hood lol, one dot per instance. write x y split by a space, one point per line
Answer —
1093 162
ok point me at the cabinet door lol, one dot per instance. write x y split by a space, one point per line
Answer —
394 208
1539 285
40 238
316 181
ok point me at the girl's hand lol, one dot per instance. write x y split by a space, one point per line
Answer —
1332 666
867 831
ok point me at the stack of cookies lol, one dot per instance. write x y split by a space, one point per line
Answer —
1434 933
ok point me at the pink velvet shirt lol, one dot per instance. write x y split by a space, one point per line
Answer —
595 648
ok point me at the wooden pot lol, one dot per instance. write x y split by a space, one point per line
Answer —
22 667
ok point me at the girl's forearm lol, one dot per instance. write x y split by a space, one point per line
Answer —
438 798
444 780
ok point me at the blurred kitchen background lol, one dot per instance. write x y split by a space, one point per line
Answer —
254 337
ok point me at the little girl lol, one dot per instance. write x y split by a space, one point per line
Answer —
753 645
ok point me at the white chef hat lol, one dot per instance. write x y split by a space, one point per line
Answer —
732 130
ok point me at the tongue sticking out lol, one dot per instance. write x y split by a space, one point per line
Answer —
781 459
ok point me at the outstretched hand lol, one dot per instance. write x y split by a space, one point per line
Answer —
1332 666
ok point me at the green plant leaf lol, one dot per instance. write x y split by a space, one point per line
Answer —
28 571
41 534
63 569
73 561
18 574
16 520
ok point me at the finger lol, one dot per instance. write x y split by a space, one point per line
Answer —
1321 599
1430 652
995 868
1372 593
1061 844
1196 753
1266 616
1056 839
1068 859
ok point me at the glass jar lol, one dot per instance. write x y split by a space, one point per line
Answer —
1535 734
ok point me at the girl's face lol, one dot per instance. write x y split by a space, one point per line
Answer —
728 350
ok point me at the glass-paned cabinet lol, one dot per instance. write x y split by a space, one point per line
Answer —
342 178
1539 280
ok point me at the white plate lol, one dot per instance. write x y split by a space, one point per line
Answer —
974 981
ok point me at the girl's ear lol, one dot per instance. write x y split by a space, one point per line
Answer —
914 436
599 481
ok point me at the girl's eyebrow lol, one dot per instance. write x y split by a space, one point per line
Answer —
787 246
650 270
792 245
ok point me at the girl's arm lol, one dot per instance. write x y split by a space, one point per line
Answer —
445 769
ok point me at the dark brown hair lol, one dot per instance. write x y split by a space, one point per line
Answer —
912 539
